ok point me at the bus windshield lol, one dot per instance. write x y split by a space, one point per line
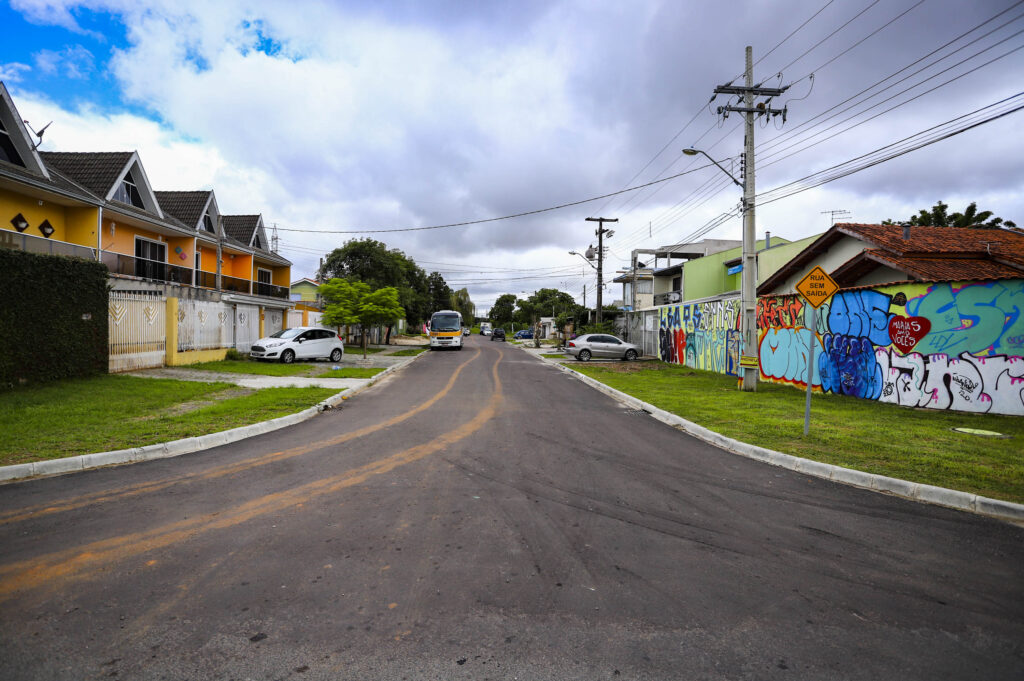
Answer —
445 322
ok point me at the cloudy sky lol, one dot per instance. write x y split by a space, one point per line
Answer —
336 118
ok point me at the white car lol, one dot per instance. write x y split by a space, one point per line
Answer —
302 342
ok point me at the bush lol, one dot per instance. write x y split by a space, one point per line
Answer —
53 317
234 355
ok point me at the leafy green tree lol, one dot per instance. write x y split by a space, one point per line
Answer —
372 262
356 303
503 310
938 216
461 302
439 294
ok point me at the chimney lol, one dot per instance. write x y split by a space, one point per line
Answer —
906 232
767 240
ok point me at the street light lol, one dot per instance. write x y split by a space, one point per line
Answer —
584 257
748 280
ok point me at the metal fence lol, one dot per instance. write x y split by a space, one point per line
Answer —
294 318
203 325
138 331
641 328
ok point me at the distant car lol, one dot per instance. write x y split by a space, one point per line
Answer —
601 345
525 334
498 334
301 342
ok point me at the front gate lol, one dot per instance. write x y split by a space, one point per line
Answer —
138 331
247 326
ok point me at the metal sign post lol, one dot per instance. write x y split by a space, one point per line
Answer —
816 288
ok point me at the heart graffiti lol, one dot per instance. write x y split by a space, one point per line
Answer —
906 332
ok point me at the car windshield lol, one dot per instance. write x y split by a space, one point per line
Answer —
286 333
445 322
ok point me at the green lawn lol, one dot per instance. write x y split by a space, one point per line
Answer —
117 412
251 366
910 444
554 356
352 372
408 352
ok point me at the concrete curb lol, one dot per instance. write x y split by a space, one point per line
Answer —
73 464
963 501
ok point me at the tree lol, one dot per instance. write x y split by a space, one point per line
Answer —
461 303
372 262
938 216
353 302
439 294
503 309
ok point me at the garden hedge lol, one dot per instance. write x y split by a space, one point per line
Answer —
53 318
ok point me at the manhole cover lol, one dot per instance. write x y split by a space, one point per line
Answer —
980 433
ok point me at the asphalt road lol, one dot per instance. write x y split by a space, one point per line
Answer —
480 515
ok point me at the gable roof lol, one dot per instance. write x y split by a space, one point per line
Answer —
241 227
13 124
189 206
921 253
96 171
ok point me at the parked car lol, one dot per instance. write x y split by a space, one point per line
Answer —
601 345
301 342
498 334
525 334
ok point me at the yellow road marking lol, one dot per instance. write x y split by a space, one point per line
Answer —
19 515
80 562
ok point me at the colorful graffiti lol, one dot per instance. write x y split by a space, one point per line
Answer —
941 346
702 335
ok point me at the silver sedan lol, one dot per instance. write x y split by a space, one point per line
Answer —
601 345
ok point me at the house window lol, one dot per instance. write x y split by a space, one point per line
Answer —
128 192
7 151
150 259
208 223
644 286
199 260
256 243
262 275
677 283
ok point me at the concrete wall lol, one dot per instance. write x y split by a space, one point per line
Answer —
956 346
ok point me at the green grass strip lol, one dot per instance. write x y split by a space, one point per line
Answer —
255 367
107 413
910 444
352 372
408 352
554 356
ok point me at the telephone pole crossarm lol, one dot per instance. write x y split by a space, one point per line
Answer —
601 231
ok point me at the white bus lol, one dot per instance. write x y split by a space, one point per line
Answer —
446 330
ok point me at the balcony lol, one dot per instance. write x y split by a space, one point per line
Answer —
668 298
35 244
234 284
146 269
206 279
271 291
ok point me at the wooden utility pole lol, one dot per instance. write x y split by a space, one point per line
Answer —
601 231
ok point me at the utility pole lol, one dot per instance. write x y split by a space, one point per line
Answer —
601 231
748 280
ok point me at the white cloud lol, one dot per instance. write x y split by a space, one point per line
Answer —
12 72
74 61
405 115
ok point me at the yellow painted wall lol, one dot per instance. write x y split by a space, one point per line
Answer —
282 276
208 259
73 225
185 243
239 267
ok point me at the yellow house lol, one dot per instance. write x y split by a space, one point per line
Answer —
100 205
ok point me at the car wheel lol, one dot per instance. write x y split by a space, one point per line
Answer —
336 355
288 356
584 356
630 355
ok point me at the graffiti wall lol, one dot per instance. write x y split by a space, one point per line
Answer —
953 346
702 335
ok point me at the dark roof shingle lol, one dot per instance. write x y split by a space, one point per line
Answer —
96 171
241 227
186 206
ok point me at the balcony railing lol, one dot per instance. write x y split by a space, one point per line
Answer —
147 269
234 284
206 279
35 244
272 291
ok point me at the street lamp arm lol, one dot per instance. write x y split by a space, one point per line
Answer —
694 152
584 258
